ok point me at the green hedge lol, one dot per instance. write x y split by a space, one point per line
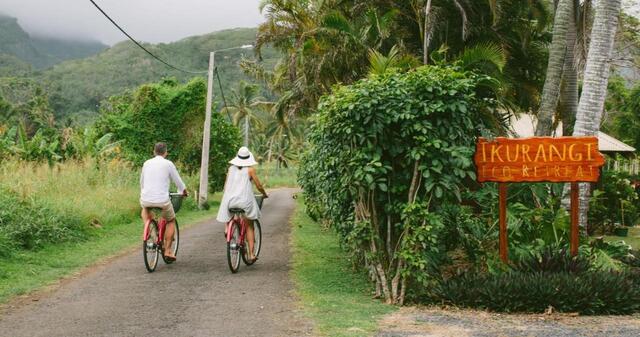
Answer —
587 293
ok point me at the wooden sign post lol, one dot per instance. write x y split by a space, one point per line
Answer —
538 159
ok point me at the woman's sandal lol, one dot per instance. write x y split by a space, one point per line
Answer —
170 258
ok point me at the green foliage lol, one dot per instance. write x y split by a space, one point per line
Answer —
420 248
589 293
622 106
608 256
378 145
552 259
12 66
173 114
27 225
614 202
339 42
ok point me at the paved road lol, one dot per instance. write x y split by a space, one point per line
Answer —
196 296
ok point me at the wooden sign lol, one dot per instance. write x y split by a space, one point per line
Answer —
537 159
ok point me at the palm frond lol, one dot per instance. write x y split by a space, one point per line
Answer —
483 54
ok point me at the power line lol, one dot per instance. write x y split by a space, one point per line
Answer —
224 100
142 47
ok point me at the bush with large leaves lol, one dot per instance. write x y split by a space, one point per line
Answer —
171 113
385 153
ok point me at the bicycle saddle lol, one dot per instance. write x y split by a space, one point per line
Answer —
236 210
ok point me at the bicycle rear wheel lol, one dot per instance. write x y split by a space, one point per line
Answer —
233 248
257 232
150 248
175 244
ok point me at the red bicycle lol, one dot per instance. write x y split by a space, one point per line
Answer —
237 246
153 235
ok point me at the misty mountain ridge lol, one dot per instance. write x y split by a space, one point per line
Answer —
38 52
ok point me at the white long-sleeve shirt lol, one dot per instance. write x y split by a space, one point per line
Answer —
154 180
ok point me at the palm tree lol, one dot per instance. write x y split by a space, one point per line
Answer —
596 76
243 104
568 105
557 53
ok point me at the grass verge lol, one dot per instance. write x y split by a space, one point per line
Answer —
633 239
27 271
272 176
337 298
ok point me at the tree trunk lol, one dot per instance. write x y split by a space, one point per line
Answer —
569 94
557 51
596 77
427 33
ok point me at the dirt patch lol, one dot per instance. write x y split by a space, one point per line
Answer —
450 322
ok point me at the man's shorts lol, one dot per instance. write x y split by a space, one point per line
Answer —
167 209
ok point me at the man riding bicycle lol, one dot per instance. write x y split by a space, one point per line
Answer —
154 192
238 193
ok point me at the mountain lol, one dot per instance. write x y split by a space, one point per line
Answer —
39 52
79 86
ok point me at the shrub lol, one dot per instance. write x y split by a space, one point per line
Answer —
552 259
24 225
587 293
174 114
615 201
385 153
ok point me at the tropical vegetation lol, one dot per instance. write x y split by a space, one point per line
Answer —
380 103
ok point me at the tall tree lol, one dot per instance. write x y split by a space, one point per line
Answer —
557 53
596 76
569 91
245 99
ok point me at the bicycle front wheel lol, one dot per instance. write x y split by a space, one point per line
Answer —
257 233
175 244
233 248
150 248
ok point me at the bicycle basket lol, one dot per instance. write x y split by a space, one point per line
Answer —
176 201
259 199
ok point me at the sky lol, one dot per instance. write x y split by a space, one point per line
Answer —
146 20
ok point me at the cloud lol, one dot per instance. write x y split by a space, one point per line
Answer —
146 20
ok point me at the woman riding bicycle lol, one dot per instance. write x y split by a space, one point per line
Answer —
238 193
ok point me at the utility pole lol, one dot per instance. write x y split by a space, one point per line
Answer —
206 139
246 130
206 135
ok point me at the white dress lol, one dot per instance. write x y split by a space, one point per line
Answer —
238 193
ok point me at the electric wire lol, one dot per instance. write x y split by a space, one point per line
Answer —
142 47
224 100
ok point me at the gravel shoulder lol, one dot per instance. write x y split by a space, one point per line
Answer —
450 322
196 296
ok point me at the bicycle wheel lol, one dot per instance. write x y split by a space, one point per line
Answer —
233 248
150 249
257 232
175 244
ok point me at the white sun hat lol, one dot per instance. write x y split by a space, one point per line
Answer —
244 158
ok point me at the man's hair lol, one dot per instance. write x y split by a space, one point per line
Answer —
160 149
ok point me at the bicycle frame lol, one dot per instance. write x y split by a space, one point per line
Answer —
243 228
162 224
